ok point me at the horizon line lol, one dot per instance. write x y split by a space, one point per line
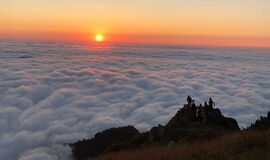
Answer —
134 42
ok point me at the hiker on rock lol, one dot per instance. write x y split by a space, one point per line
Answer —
205 104
193 108
189 100
211 103
201 113
192 103
206 108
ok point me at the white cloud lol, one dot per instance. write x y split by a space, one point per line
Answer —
63 94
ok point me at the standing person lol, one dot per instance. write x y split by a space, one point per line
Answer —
203 116
206 107
205 104
211 103
189 100
193 108
192 103
200 113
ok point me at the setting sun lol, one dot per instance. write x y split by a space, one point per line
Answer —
99 37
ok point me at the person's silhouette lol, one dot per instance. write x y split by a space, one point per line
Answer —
211 103
189 100
193 107
206 108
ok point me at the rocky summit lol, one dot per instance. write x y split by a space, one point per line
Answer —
187 124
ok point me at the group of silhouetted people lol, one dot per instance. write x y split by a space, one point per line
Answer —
200 112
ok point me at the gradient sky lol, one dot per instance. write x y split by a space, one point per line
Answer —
192 22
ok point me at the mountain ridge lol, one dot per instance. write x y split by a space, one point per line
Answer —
184 125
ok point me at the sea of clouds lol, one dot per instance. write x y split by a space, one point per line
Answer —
54 93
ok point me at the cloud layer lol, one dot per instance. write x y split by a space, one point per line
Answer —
56 93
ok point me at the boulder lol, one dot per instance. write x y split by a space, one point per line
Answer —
102 140
185 119
185 125
156 133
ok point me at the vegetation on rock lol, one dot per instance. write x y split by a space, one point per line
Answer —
262 123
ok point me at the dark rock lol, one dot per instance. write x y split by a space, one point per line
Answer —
139 139
184 118
115 147
156 133
215 118
185 125
101 141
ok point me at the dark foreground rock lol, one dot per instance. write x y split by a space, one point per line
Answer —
101 141
185 125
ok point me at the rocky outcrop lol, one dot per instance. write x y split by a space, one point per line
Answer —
101 141
185 125
185 118
156 133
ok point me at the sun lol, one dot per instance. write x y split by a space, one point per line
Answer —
99 37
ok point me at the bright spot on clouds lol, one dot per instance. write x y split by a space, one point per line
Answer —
56 93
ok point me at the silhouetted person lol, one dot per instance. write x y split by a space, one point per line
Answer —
206 108
211 103
193 108
192 103
189 100
205 104
201 113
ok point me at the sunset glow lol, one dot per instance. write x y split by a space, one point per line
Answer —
76 69
201 22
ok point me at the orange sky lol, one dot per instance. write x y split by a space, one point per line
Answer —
193 22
